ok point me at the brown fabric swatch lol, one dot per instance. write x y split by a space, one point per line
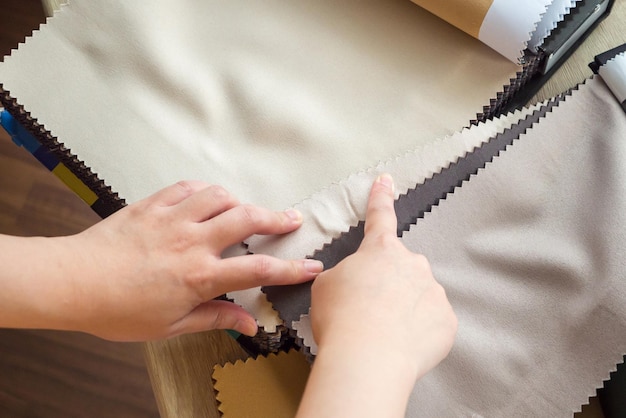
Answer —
265 387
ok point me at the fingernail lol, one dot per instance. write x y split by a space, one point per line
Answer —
386 180
294 215
313 266
247 327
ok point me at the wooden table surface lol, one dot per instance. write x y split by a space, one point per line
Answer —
181 368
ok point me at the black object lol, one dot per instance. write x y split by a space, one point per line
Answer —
557 47
605 57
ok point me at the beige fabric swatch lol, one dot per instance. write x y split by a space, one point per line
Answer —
466 15
273 100
614 75
339 206
304 331
277 103
265 387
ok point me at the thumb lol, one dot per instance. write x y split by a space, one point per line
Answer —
219 314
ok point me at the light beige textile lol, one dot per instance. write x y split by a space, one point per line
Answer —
273 100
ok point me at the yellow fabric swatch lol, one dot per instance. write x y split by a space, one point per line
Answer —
265 387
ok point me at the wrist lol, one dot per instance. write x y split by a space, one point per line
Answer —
36 281
353 380
374 344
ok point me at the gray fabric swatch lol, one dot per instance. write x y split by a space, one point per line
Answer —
531 253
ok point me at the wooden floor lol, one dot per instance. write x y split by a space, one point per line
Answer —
56 374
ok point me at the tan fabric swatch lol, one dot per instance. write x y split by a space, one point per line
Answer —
467 15
265 387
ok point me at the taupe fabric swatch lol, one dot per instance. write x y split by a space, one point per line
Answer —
530 252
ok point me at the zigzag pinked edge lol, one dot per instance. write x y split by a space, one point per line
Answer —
109 201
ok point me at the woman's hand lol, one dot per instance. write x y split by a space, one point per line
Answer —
152 269
380 321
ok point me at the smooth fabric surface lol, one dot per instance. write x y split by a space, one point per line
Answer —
530 252
273 100
339 206
265 387
614 75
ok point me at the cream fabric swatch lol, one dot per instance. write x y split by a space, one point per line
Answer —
614 75
273 100
304 331
334 209
339 206
530 252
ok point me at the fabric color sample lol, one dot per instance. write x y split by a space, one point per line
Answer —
530 252
274 112
507 27
614 75
272 100
265 387
293 301
463 14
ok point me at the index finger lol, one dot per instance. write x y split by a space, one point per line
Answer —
380 217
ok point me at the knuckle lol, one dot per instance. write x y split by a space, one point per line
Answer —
262 268
384 240
218 320
218 192
422 262
185 187
250 215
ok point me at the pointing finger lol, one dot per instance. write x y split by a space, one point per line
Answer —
380 217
